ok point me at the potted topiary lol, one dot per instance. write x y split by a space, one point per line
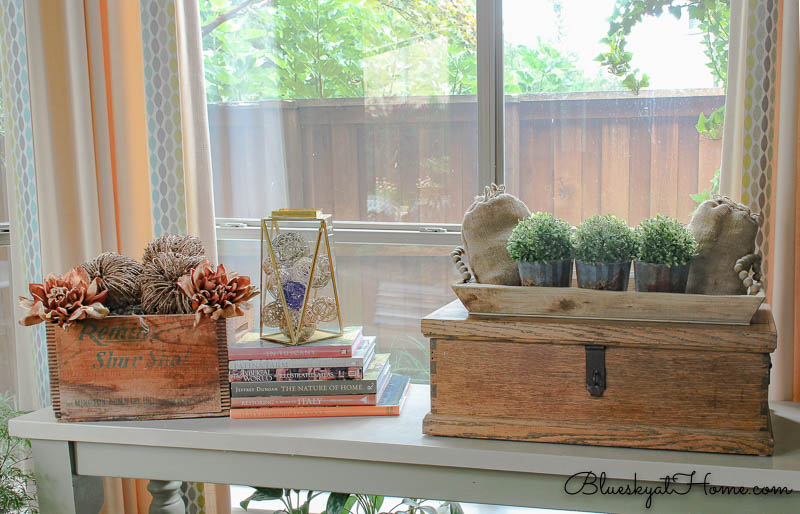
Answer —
541 244
666 249
603 249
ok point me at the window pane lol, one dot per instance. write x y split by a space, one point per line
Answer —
366 110
581 141
387 289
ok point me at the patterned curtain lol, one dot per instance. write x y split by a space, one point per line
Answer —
102 154
759 159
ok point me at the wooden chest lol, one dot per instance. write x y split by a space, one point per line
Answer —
140 367
638 384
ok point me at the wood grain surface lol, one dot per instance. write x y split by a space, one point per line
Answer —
743 442
682 386
130 367
643 386
574 302
454 321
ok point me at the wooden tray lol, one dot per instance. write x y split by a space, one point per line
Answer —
573 302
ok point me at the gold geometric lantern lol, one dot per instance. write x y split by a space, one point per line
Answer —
299 300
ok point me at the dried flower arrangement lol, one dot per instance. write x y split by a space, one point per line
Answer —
174 278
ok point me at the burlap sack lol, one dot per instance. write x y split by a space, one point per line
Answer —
725 231
487 224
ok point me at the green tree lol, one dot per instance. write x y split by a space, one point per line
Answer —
713 20
354 48
546 69
320 48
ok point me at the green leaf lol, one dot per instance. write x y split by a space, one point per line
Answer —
262 494
336 503
450 508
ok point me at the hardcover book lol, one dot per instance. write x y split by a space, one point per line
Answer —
378 371
311 401
282 374
363 353
251 346
304 401
390 404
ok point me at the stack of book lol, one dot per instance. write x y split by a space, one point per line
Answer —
343 376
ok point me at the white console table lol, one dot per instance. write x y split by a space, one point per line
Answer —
391 456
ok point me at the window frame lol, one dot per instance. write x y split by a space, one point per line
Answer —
491 151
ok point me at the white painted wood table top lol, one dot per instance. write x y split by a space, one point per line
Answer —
399 440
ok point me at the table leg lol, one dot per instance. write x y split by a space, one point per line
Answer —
53 471
166 497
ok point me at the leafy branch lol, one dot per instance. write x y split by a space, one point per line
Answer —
15 492
228 15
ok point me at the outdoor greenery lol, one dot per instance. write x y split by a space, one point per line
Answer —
604 240
705 194
713 20
665 240
16 494
540 238
290 49
299 502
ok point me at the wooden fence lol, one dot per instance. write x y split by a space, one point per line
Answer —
415 159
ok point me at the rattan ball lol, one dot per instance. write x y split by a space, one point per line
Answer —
160 292
288 247
324 308
309 325
182 245
120 275
272 314
272 282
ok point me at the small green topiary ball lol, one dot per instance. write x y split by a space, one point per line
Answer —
541 237
604 240
665 240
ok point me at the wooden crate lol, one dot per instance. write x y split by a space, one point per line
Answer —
140 367
677 386
574 302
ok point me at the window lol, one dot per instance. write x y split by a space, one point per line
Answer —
366 110
377 112
578 140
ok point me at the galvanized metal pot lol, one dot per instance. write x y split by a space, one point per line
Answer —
607 277
660 278
546 274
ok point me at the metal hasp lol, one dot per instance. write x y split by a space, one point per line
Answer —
595 369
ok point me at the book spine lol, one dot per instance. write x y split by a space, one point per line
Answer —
269 375
304 401
303 388
289 352
330 362
315 412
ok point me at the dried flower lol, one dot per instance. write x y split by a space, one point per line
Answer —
182 245
214 292
160 291
64 299
118 274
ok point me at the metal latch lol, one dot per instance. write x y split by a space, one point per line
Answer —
595 369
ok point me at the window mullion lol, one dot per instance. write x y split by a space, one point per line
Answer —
490 91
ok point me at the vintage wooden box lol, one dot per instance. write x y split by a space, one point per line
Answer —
638 384
140 367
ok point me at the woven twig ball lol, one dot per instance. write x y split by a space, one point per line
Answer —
182 245
160 292
288 247
120 275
